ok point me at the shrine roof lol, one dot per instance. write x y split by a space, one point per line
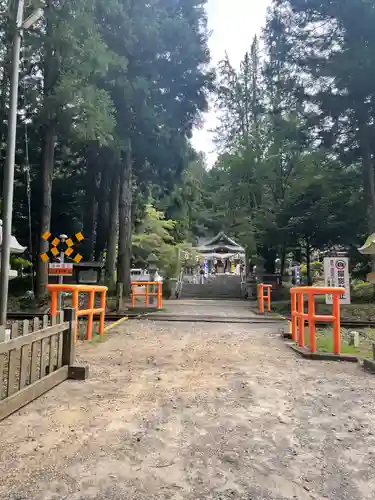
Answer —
220 240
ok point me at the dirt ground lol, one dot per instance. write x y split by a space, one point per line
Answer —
195 411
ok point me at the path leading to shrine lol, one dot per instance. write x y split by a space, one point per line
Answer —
195 411
198 309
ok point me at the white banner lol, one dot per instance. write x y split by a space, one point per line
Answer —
336 274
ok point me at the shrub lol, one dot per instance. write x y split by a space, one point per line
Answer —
362 291
317 271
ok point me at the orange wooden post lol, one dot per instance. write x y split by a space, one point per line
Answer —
269 287
311 316
147 291
75 306
293 296
90 315
133 295
261 297
301 320
336 324
75 300
53 303
103 298
160 295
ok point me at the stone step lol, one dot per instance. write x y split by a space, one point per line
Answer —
212 290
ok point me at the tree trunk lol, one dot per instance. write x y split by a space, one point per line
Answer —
112 239
125 222
48 159
103 213
49 138
89 218
308 263
282 261
269 256
368 179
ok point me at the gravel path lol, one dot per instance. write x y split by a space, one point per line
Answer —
195 412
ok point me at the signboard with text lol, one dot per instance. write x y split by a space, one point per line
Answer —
60 269
336 274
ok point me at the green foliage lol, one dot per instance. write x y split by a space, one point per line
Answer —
99 78
188 203
188 256
290 176
317 271
362 291
19 263
296 157
154 236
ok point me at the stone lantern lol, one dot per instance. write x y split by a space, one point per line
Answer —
152 267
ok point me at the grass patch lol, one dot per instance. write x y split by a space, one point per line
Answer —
82 332
351 312
96 338
324 343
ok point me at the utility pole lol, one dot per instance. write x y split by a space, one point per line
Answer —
63 238
11 153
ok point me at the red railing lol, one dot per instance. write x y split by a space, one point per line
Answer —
262 297
299 317
148 292
89 312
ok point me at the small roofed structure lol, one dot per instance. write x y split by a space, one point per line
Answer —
15 247
222 254
369 247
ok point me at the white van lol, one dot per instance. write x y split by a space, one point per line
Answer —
143 275
138 275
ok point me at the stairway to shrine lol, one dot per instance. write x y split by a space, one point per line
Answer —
214 287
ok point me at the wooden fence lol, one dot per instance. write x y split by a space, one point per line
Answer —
33 363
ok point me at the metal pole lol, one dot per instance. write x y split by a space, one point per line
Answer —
63 237
9 166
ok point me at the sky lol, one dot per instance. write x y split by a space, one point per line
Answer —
233 24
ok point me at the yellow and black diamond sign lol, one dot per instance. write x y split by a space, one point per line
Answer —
58 247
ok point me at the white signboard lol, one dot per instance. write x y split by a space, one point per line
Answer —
336 274
60 269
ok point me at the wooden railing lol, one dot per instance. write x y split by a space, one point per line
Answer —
34 363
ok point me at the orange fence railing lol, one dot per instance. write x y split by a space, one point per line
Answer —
262 297
299 317
151 289
75 290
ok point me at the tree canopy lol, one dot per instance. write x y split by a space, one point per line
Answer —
111 91
109 94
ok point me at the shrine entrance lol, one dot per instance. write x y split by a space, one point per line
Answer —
222 255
